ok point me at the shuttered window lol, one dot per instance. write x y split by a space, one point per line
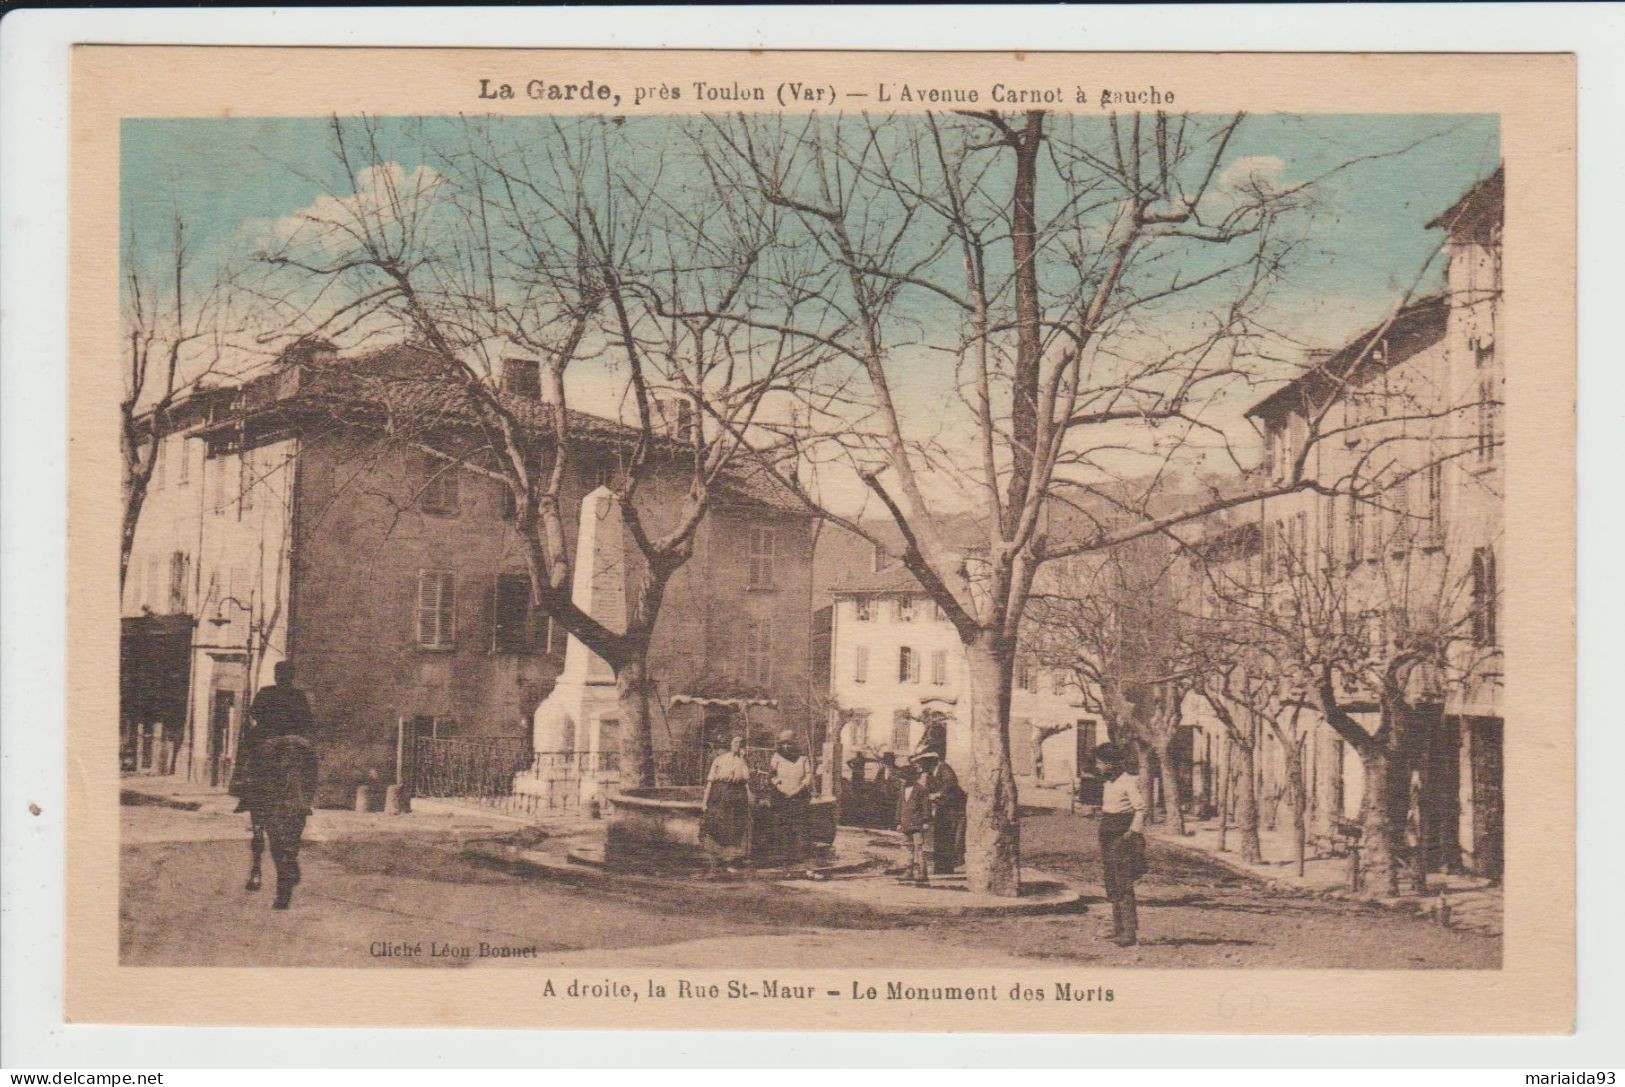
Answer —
759 651
437 609
439 494
762 547
899 730
512 628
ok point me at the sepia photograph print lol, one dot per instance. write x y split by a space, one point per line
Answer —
824 540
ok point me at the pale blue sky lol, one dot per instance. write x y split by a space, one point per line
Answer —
232 178
221 173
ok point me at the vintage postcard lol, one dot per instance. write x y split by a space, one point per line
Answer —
808 540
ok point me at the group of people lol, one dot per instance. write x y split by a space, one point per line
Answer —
931 816
276 779
930 813
728 825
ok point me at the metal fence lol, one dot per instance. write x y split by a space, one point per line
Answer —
504 773
475 768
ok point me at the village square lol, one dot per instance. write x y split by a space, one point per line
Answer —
939 540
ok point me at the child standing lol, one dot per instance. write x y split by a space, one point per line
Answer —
914 820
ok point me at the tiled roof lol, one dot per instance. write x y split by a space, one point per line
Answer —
1414 328
408 384
1484 202
893 579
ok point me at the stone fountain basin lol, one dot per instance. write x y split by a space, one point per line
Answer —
660 827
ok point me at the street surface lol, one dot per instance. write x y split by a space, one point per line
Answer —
183 905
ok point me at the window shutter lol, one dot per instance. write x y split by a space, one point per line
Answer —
436 609
425 612
448 609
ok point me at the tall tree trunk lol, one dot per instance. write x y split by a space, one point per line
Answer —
137 479
992 829
1171 800
132 517
1296 796
1024 386
1227 789
1380 826
1247 805
634 692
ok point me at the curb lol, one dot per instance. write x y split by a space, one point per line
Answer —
571 871
1421 908
131 798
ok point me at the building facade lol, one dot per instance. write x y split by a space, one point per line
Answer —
1406 417
896 664
398 587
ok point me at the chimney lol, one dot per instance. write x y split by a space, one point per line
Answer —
675 417
308 351
522 377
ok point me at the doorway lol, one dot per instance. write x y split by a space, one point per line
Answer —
221 711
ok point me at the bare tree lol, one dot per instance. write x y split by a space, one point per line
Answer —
177 323
1116 626
1218 690
1088 285
1367 645
537 241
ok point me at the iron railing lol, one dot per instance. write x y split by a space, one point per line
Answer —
476 768
503 772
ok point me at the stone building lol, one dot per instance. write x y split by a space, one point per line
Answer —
281 526
895 663
1408 411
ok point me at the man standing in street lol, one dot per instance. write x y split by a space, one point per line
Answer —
791 775
276 778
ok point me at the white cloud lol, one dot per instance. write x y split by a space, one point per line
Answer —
387 198
1252 171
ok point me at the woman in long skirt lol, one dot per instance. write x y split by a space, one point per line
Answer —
1122 842
727 799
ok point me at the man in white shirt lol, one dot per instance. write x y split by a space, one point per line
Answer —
791 775
1122 843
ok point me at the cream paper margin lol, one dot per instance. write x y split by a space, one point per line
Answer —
1533 992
